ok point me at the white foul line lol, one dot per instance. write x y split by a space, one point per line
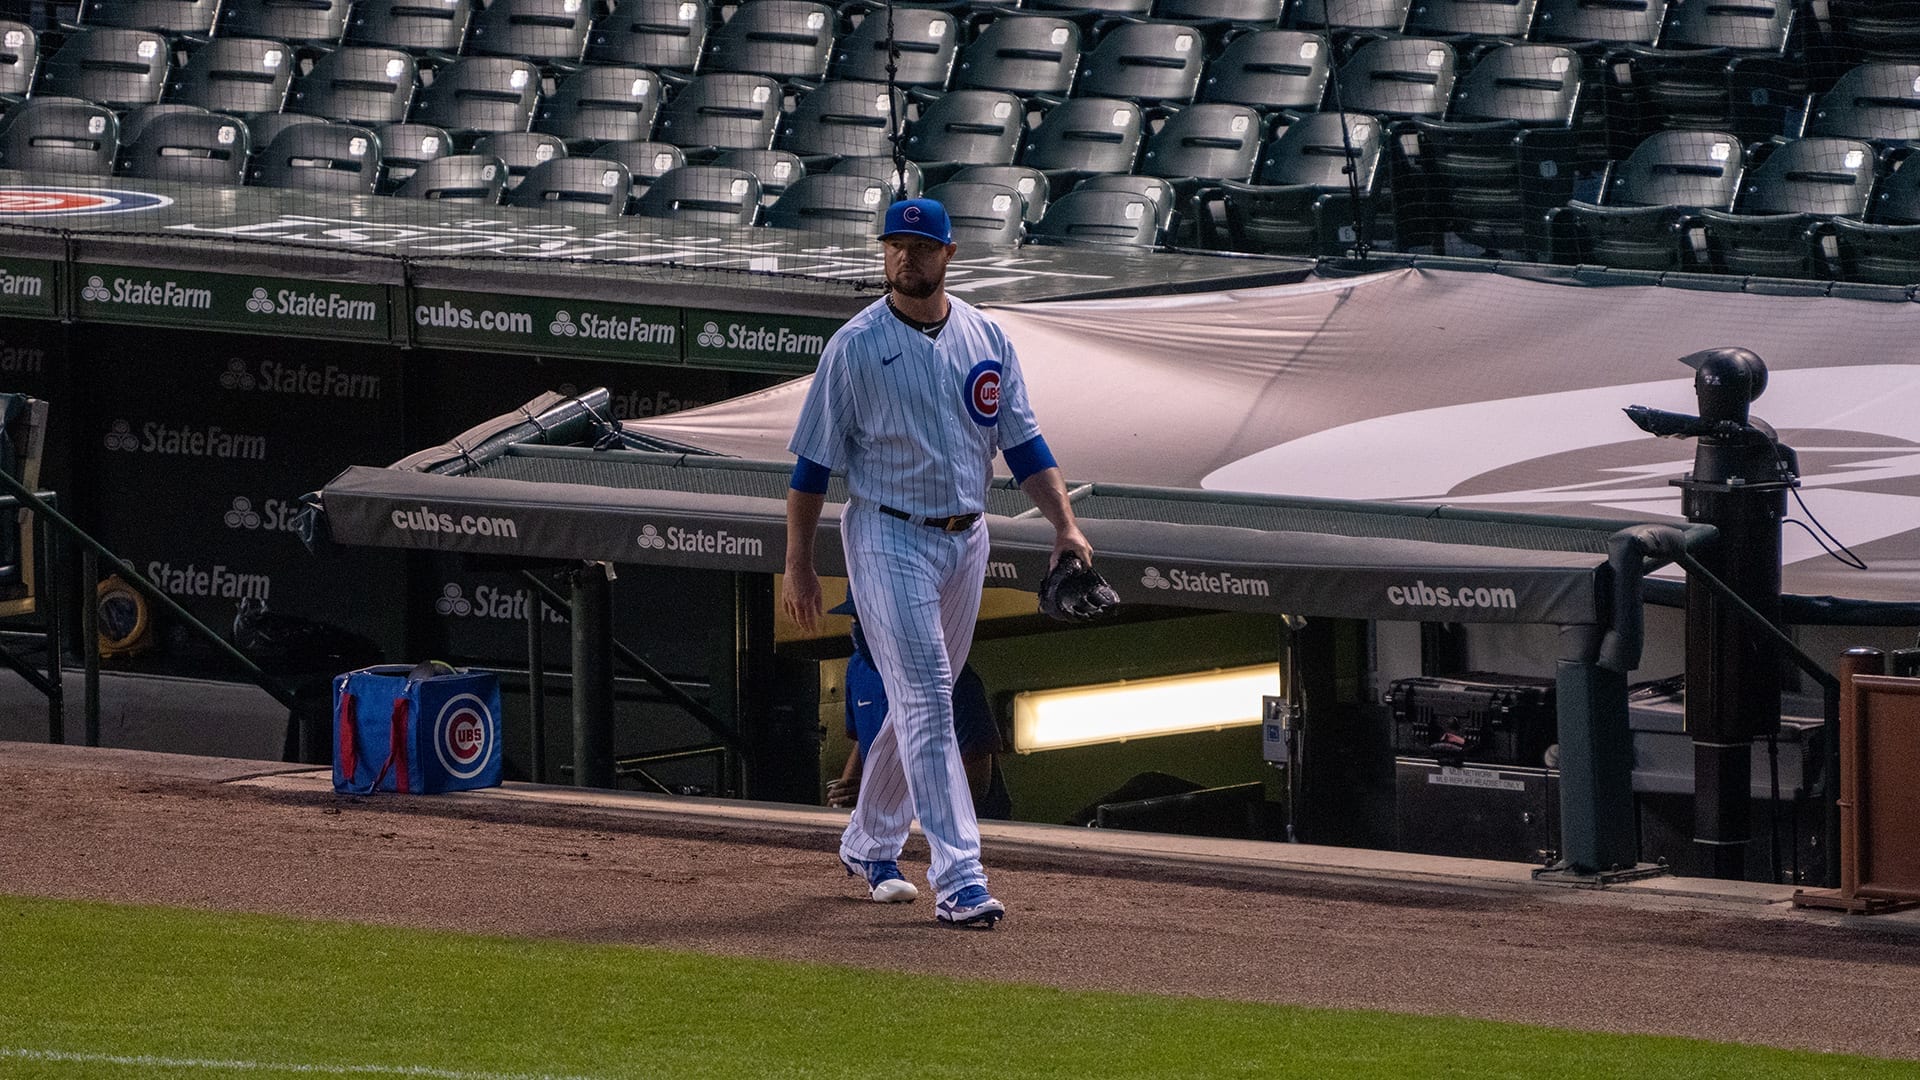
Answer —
149 1061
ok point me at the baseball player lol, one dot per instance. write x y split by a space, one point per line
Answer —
911 400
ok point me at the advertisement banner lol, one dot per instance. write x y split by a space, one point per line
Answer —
244 303
28 288
783 343
546 325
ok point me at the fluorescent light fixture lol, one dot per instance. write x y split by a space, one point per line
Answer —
1137 709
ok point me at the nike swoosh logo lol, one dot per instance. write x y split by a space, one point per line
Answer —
863 704
889 359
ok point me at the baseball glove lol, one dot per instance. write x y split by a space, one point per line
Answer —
1075 592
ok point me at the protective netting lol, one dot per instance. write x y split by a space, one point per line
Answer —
1760 139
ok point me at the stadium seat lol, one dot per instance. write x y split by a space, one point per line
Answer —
121 69
905 183
775 169
236 75
929 41
583 184
543 31
781 39
664 35
331 159
1870 253
600 104
1103 9
194 148
1770 231
19 58
1379 16
1648 199
841 119
174 18
966 127
1031 183
1021 54
1271 70
1398 78
267 128
296 22
1083 136
1301 202
1896 198
406 147
480 95
1156 190
133 121
1875 29
1204 142
645 162
1506 153
1454 20
703 195
457 178
356 85
983 215
1152 63
1100 219
722 111
438 28
521 152
1877 102
1246 12
1719 67
849 205
1586 25
60 135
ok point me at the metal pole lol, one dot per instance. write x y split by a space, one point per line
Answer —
592 677
536 690
90 641
50 591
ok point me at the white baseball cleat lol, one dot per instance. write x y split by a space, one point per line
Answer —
971 906
884 880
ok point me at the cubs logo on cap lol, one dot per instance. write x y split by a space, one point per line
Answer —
918 217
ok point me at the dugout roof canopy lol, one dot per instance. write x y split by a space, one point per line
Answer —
1472 391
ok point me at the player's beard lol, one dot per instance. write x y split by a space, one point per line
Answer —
916 286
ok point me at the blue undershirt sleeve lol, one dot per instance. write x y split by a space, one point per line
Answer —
809 476
1028 458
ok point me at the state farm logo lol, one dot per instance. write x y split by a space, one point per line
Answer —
237 377
463 736
95 290
594 326
453 601
562 325
1192 581
272 515
122 437
710 336
700 541
260 303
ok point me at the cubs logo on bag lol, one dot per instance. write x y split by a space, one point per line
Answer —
394 730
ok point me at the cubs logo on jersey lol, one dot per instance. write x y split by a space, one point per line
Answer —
983 393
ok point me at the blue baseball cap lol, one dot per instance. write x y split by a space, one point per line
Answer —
918 217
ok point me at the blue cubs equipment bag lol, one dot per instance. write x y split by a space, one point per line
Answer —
393 731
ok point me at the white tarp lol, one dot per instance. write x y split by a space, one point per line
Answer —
1461 388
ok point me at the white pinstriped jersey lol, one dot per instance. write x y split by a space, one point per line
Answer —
914 422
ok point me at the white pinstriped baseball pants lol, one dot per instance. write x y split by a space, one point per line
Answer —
917 590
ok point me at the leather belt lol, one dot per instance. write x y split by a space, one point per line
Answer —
951 523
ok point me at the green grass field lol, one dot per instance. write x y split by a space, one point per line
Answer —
94 990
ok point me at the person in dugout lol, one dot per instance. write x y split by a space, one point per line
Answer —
973 725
